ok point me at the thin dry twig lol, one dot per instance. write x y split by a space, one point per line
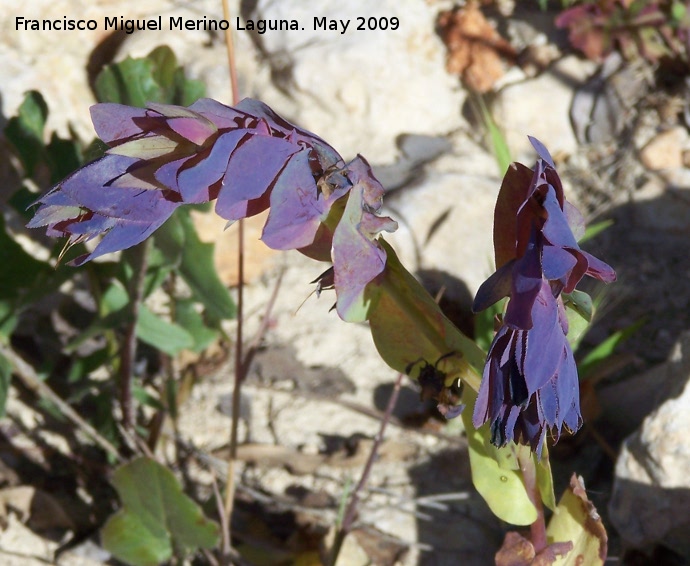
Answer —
230 484
139 256
351 510
29 378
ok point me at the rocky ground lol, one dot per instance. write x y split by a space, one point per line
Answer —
317 388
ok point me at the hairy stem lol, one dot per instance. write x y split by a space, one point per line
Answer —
351 511
139 262
529 476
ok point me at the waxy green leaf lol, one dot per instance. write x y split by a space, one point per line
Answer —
576 520
156 519
495 472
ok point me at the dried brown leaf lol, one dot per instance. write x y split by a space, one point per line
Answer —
475 48
515 551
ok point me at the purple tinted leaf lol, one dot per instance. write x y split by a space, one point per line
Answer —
185 122
360 173
173 111
573 418
252 169
297 209
599 269
193 181
556 229
357 260
196 130
511 196
526 284
55 207
126 232
247 208
114 122
557 262
575 220
88 185
567 384
327 155
93 225
222 116
167 174
545 342
541 150
496 287
578 272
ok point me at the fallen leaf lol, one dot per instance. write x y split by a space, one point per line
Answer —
515 551
475 48
36 508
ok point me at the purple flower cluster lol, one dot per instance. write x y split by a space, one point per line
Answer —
248 159
530 384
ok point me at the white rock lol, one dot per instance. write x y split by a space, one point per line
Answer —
651 494
541 108
446 223
665 150
361 89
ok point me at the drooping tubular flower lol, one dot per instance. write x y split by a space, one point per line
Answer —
530 384
248 159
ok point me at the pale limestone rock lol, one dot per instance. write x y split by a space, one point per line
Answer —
361 89
541 108
665 150
445 223
651 494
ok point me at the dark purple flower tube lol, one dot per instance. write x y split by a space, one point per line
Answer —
530 384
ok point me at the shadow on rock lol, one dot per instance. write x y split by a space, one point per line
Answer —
454 524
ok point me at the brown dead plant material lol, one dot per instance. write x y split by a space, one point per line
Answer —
475 49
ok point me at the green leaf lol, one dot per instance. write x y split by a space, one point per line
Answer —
495 472
484 324
178 241
678 11
408 327
579 310
606 348
187 91
144 397
576 520
545 478
15 261
64 156
129 82
25 131
155 78
164 65
23 279
188 318
163 335
594 229
5 379
157 518
8 318
499 145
